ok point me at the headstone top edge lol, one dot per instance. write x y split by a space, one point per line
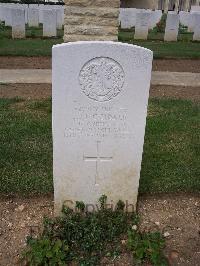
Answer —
117 44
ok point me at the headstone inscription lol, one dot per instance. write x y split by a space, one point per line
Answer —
142 25
100 97
18 23
172 27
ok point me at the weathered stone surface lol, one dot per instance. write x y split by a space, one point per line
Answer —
92 12
96 3
91 18
91 30
100 98
98 21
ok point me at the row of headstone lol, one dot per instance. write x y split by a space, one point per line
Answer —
128 17
144 20
16 16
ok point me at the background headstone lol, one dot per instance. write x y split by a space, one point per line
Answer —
155 18
33 17
59 18
100 98
142 25
91 20
49 23
172 27
127 17
184 18
18 23
196 36
8 16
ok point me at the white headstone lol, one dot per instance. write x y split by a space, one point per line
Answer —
18 23
8 16
33 17
142 25
100 98
192 21
184 18
172 27
127 17
196 36
59 18
49 23
41 8
155 18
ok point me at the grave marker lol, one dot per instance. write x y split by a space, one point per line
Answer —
172 27
33 17
18 23
196 36
49 23
100 97
142 25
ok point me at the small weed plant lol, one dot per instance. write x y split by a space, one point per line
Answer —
85 238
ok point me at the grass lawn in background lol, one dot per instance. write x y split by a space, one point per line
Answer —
36 45
170 159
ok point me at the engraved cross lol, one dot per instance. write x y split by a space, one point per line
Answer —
97 159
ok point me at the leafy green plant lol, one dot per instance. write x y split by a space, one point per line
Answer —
45 251
81 237
147 246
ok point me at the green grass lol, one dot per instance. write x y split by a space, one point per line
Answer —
36 45
170 160
28 47
181 49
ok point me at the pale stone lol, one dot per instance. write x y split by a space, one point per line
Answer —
196 36
41 9
184 18
172 27
18 23
8 16
33 17
49 23
91 20
127 17
142 25
155 18
100 97
59 18
192 21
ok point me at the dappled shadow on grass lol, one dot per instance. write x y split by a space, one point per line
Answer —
170 160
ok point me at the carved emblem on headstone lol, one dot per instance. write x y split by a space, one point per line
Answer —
101 79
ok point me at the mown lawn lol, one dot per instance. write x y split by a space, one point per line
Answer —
36 45
170 160
184 48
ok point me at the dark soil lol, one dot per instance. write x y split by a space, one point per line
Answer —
41 91
21 62
176 216
173 65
